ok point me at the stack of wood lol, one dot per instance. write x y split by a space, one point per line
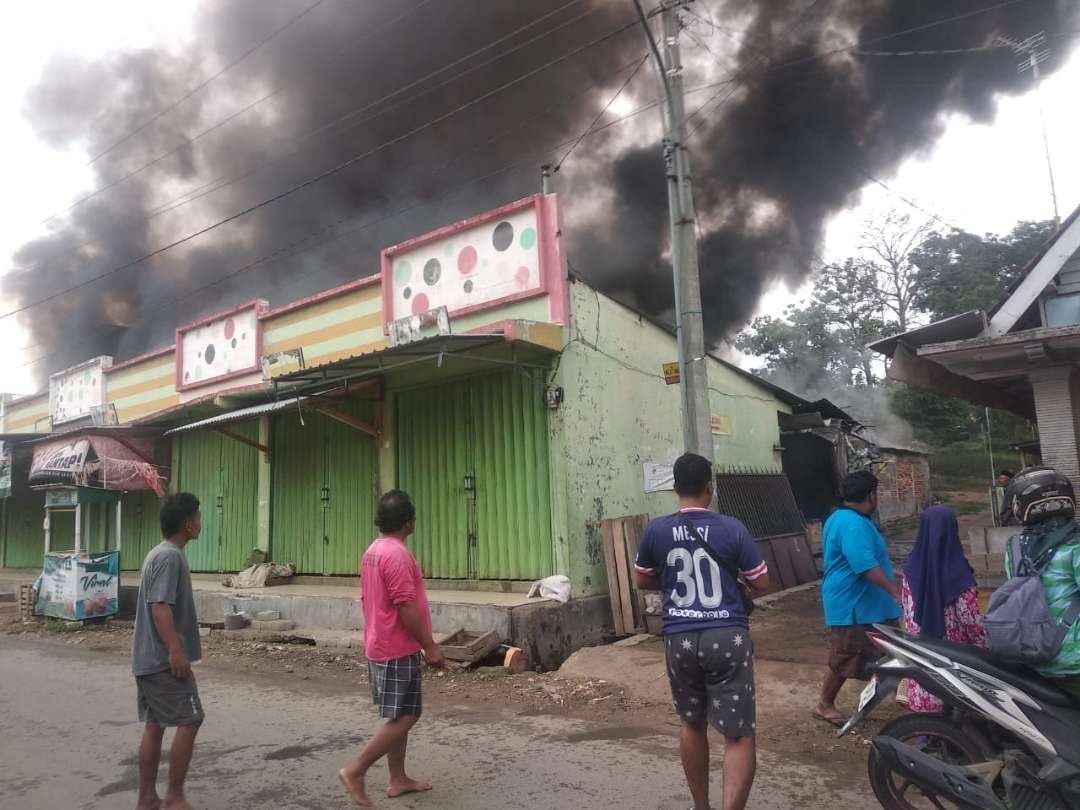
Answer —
469 648
27 597
622 536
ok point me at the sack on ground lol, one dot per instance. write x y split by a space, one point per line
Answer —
555 587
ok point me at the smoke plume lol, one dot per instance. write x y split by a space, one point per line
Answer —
807 121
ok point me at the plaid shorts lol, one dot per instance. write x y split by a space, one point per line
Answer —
712 678
395 686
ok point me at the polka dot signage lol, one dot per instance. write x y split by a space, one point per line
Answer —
219 348
474 267
73 393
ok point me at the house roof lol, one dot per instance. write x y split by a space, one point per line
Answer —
958 327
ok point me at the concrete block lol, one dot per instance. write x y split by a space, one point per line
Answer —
997 539
976 541
273 626
268 615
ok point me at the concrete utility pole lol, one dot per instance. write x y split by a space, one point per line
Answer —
689 323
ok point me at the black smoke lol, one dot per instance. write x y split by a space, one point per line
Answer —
806 126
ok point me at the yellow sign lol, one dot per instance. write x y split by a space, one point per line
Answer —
671 373
721 424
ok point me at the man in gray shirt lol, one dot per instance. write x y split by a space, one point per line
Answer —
166 643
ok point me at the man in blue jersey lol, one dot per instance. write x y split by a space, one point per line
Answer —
710 658
858 590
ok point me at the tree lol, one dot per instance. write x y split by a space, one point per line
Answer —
823 344
959 272
935 418
891 240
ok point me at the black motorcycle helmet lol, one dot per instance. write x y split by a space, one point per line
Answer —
1038 493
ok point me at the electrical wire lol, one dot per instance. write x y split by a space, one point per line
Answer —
291 22
322 175
299 246
601 114
223 181
854 47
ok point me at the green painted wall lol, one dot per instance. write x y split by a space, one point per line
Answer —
617 414
24 514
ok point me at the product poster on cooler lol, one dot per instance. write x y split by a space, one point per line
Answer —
80 587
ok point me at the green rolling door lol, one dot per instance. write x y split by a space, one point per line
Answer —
513 492
25 516
140 530
432 464
223 474
324 490
474 456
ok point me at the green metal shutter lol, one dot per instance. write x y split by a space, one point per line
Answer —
431 428
513 493
296 514
491 430
223 474
350 464
25 517
323 538
140 528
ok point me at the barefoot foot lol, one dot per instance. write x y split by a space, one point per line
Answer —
406 786
355 788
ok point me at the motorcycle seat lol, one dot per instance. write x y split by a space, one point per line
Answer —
1022 677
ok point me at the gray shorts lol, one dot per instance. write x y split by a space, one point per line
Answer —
395 686
712 678
167 700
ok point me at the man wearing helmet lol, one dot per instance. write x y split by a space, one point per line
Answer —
1043 502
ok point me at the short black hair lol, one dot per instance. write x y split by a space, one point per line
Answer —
858 486
692 475
1007 473
175 510
395 510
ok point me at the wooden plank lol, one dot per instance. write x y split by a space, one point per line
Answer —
625 596
803 560
765 547
786 569
607 532
632 528
236 437
347 420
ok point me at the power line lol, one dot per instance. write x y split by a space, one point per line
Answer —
294 248
223 181
216 126
855 47
323 175
601 114
292 21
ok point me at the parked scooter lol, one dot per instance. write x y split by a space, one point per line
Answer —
1008 739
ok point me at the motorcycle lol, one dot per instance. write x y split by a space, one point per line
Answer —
1008 738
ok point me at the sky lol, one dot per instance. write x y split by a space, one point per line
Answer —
983 178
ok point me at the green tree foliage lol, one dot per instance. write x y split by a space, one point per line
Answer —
959 271
824 342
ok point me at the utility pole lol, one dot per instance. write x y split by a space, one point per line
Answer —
689 322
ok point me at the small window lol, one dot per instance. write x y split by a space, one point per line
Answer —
1063 310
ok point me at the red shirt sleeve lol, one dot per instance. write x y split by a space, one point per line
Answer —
399 580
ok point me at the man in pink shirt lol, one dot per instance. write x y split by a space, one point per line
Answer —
397 629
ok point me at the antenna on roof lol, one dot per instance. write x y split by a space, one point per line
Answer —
1032 52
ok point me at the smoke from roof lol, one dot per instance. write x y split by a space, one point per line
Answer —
806 124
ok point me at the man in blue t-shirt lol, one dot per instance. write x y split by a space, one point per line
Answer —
858 590
710 658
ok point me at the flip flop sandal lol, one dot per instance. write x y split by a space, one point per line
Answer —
837 722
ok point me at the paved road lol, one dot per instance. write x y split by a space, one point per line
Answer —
68 739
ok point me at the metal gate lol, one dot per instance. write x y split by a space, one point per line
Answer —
474 456
24 514
324 490
223 474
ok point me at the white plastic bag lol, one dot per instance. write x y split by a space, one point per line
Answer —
556 587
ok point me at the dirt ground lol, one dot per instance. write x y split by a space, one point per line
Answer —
623 689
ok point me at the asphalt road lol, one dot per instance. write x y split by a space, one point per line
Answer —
68 739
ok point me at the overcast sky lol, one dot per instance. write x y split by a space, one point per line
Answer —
978 177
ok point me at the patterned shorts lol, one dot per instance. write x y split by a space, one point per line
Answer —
712 678
395 686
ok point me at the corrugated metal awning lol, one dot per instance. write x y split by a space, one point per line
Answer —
240 414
